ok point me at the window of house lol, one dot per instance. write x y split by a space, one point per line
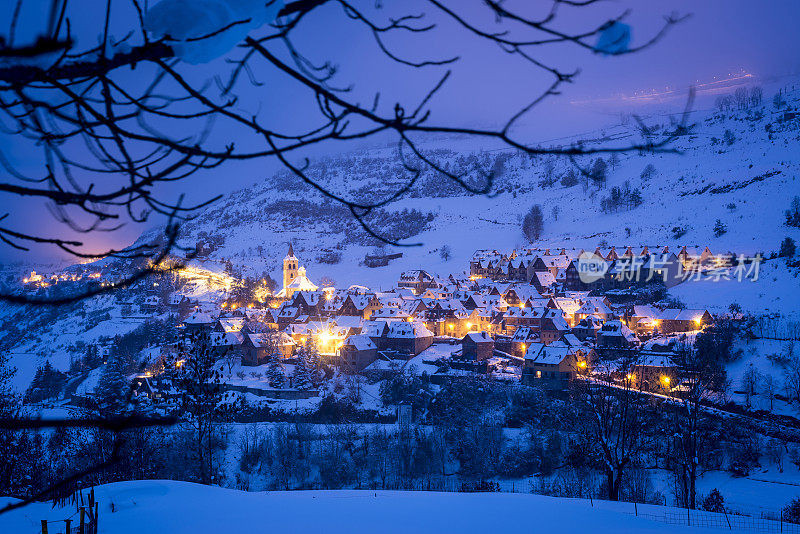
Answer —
538 374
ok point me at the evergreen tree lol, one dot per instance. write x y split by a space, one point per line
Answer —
301 378
46 384
714 502
275 374
112 389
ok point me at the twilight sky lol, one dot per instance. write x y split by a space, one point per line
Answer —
742 41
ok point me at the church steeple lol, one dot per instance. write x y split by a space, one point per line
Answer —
290 267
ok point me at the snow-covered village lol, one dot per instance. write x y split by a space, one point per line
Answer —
436 266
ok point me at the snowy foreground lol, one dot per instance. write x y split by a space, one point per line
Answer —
179 507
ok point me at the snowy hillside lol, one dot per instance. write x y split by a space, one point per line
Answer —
738 167
178 508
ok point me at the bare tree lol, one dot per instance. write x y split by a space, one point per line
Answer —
108 140
194 372
770 388
612 416
700 377
533 223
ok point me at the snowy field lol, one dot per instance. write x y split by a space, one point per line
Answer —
182 508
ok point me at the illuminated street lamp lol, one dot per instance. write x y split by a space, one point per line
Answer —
665 380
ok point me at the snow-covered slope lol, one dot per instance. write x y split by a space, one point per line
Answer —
180 507
746 185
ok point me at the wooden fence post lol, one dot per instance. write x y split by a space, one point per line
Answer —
96 514
635 509
44 526
82 527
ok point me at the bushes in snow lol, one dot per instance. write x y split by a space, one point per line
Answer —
330 257
569 179
713 502
728 137
679 231
598 173
719 228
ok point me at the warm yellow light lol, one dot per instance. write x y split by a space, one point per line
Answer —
582 364
450 326
630 376
410 319
469 325
698 320
666 380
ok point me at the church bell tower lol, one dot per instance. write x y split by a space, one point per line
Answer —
290 264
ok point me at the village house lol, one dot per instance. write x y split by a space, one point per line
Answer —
477 346
654 371
360 305
552 366
407 338
586 329
677 320
552 328
357 353
615 335
522 340
417 281
258 348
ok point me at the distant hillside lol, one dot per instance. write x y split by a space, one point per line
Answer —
739 167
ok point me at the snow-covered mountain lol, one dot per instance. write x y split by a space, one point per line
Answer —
738 167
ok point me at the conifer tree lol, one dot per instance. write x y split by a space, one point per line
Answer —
112 389
46 384
275 373
301 378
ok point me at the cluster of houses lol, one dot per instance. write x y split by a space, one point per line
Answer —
547 330
620 268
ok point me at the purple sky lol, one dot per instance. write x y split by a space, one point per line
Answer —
723 39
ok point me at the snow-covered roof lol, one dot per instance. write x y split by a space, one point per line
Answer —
360 342
545 278
525 334
226 339
199 317
301 282
617 328
479 337
550 354
407 330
